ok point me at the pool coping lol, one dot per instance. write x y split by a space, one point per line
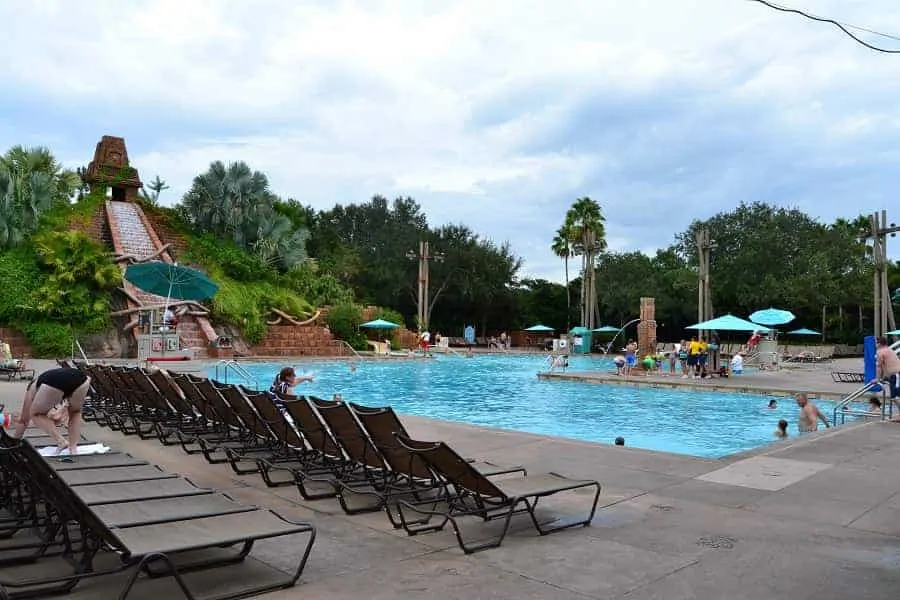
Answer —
690 384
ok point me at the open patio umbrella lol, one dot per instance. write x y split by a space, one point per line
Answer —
728 323
171 281
894 332
579 331
606 329
540 328
379 324
804 331
772 317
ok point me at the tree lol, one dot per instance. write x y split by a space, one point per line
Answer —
771 256
235 203
156 187
562 247
539 301
31 183
585 221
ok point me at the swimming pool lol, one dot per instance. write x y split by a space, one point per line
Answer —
503 391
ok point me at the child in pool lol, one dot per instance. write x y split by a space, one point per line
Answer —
782 432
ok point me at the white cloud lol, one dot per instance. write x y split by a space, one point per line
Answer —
497 114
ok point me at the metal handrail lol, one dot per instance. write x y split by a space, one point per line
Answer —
352 349
77 344
840 407
238 368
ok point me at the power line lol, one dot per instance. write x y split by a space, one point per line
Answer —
842 26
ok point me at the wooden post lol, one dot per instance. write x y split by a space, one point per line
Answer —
882 303
704 297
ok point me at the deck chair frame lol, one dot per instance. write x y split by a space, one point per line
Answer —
476 495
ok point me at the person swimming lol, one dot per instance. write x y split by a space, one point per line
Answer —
773 403
875 405
782 431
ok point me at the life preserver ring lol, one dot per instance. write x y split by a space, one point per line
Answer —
156 346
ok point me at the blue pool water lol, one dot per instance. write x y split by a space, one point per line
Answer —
503 391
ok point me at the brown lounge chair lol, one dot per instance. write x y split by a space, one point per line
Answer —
406 474
147 534
476 495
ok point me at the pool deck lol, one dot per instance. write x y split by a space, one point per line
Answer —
816 517
813 379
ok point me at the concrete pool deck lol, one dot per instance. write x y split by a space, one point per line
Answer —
816 517
813 379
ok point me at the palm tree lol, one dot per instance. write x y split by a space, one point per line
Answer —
31 182
562 248
586 222
225 201
156 187
234 202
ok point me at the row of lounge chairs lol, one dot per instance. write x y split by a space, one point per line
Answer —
363 457
110 513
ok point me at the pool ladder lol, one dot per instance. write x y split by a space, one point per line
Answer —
842 409
225 365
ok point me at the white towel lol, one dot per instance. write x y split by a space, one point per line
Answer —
82 450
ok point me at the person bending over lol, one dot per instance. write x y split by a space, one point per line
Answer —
55 398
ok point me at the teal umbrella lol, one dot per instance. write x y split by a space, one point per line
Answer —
772 316
541 328
728 323
379 324
894 332
606 329
579 331
171 281
804 331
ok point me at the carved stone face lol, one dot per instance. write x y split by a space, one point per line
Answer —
114 158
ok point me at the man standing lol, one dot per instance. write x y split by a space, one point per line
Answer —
887 367
808 419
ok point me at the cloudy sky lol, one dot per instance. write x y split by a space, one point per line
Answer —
494 113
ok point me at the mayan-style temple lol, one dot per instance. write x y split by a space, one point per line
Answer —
110 169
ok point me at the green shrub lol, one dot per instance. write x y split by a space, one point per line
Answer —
79 278
210 252
320 289
48 339
248 305
64 215
343 321
20 277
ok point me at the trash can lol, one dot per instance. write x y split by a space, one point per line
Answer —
581 340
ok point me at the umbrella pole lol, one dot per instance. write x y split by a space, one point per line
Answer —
166 308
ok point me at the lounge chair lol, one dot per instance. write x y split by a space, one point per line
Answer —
477 495
409 476
145 535
320 460
844 377
124 474
13 368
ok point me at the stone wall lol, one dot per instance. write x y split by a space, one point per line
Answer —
293 340
17 342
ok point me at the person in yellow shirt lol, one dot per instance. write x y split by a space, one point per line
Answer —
702 357
693 350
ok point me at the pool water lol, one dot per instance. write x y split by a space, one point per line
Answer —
503 391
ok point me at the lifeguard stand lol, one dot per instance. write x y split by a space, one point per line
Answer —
768 353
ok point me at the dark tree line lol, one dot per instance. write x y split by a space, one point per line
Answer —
762 256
